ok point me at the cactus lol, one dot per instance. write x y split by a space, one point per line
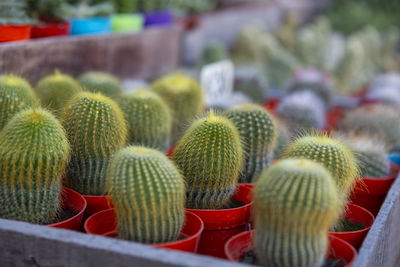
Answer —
282 140
295 204
210 157
149 119
101 82
96 129
213 52
252 82
184 97
55 90
34 153
148 193
15 94
334 155
258 132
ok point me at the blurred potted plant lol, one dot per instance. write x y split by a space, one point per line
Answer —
14 22
125 20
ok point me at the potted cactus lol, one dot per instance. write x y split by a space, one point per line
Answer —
14 22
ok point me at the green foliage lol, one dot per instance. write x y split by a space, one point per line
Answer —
50 10
84 9
34 153
101 82
12 12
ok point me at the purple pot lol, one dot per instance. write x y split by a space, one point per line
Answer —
159 18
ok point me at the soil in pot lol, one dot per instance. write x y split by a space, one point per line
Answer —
64 214
347 226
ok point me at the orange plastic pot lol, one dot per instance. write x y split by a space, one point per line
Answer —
97 203
10 33
105 223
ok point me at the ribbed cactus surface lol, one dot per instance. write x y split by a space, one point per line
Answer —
34 153
210 157
295 203
96 129
15 94
258 132
148 118
101 82
148 193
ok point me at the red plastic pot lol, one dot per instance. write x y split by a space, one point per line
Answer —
360 215
48 30
97 203
272 104
169 152
10 33
73 201
241 243
105 223
220 225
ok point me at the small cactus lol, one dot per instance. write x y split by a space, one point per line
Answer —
148 193
16 94
210 157
56 90
101 82
96 130
213 52
258 132
149 119
251 81
34 153
184 97
295 204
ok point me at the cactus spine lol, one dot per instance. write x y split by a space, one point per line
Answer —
184 97
34 153
295 204
96 129
258 132
101 82
15 94
148 193
210 157
149 119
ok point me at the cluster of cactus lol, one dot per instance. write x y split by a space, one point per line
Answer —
258 132
96 129
148 118
184 97
210 156
295 204
34 154
101 82
251 82
148 193
56 90
16 94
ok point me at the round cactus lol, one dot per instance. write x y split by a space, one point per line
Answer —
148 193
213 52
258 132
34 153
56 90
295 204
210 157
149 119
15 94
96 130
101 82
184 97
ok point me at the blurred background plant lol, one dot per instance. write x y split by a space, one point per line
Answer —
13 12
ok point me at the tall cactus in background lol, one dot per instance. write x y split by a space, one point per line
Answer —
148 117
258 132
96 130
295 204
184 97
210 157
34 153
101 82
148 193
15 94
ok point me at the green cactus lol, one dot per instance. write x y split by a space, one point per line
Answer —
258 132
149 119
332 154
210 156
282 140
295 204
213 52
148 193
34 153
15 94
55 90
251 81
101 82
96 130
184 97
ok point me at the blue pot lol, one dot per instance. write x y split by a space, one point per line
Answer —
395 158
95 25
159 18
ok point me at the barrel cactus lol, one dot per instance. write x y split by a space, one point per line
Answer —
16 94
101 82
34 153
96 130
184 97
148 193
295 204
258 132
210 157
